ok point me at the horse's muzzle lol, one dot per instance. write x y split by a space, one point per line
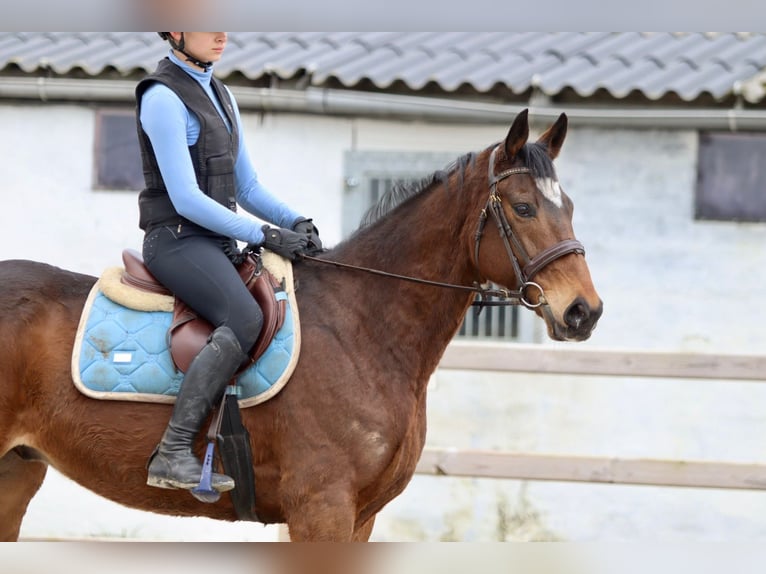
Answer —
579 321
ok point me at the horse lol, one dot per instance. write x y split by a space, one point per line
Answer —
344 436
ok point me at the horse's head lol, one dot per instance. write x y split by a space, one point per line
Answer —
535 249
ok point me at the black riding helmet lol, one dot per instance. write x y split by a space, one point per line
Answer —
180 47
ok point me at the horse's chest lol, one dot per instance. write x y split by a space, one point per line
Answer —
392 460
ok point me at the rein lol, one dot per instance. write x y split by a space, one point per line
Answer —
483 292
531 266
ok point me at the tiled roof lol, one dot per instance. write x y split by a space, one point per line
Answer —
653 64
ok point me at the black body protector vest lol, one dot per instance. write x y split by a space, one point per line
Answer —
213 154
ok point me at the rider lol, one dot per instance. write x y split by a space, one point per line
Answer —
196 169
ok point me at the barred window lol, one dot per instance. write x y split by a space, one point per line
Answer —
500 323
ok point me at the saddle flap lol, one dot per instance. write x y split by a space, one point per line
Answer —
189 333
265 289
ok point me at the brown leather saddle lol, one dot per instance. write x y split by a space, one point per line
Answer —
188 332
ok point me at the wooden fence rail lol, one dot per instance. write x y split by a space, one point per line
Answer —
502 357
609 362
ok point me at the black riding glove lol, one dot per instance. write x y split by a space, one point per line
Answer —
307 227
284 242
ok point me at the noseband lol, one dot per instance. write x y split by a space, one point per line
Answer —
528 267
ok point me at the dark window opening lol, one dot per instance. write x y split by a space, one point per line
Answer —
731 177
117 156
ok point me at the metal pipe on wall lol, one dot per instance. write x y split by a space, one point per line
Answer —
392 106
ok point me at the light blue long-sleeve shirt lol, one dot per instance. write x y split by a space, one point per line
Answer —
172 129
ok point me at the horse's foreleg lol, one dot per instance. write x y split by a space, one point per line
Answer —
363 532
20 479
326 516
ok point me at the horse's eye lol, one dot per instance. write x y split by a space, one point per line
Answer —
523 209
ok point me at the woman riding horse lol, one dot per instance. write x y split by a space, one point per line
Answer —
197 169
343 438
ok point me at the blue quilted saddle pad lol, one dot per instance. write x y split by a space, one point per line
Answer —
122 354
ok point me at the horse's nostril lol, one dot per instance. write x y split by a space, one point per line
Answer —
577 314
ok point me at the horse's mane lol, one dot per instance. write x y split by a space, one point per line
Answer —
535 157
402 191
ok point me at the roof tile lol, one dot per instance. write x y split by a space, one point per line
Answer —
655 64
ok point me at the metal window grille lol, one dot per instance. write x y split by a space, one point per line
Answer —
500 323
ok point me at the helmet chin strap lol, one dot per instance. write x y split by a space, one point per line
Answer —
189 58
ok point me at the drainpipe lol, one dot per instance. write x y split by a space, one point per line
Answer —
389 106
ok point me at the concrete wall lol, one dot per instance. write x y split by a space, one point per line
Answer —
668 282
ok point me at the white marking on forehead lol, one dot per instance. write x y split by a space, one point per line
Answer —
549 187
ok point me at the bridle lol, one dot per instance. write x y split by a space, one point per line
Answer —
524 270
529 266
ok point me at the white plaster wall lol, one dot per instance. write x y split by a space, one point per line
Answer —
49 211
668 282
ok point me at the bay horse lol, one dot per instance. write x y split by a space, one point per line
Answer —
343 437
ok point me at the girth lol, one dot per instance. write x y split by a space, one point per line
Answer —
188 332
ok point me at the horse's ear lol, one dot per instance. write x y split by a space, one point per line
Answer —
517 135
553 139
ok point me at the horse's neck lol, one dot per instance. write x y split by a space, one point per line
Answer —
415 321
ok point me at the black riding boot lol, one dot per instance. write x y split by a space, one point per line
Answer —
173 464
